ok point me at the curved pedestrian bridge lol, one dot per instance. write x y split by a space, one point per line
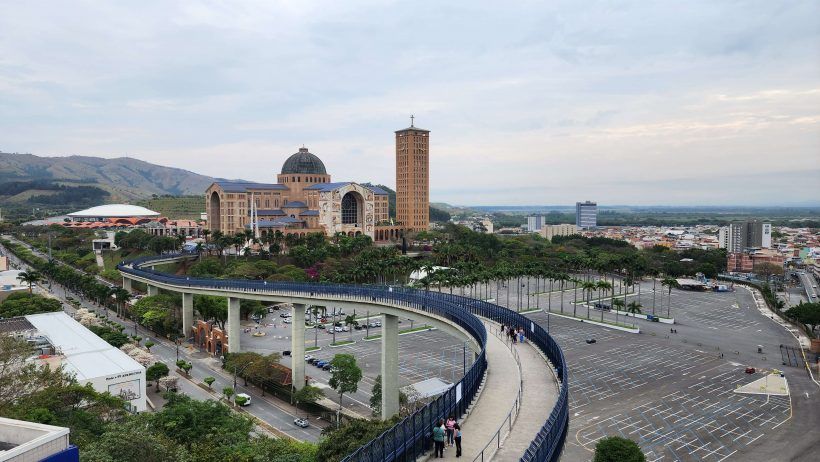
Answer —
458 316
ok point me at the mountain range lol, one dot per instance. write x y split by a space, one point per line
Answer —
125 179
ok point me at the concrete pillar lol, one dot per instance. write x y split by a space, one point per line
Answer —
187 314
297 346
126 284
233 325
153 290
390 366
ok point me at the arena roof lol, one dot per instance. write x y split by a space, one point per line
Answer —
114 211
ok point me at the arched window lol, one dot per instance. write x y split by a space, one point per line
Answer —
350 209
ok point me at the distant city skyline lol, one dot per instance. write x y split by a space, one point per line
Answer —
700 103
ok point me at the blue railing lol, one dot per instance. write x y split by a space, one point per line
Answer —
411 437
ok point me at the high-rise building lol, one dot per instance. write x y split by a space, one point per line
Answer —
743 235
535 223
586 215
413 178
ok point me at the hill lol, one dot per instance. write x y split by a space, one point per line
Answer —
125 179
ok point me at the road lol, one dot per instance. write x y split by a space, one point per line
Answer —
279 415
810 286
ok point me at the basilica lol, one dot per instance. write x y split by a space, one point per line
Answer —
304 199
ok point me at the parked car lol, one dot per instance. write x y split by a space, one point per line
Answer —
591 340
346 329
247 398
301 422
284 315
751 370
286 353
327 367
314 361
338 329
308 357
358 327
320 363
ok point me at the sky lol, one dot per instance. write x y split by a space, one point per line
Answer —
528 102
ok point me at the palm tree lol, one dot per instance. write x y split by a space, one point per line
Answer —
619 303
122 297
587 287
669 282
603 287
198 249
634 307
30 277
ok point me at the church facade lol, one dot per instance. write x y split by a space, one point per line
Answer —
304 199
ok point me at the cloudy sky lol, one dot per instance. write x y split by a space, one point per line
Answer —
529 102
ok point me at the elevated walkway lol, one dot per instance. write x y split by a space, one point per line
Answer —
498 426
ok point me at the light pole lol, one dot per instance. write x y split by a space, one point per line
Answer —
240 371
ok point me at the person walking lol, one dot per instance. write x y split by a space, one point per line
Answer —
438 439
449 428
457 438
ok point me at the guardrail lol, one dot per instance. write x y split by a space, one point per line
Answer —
486 453
411 437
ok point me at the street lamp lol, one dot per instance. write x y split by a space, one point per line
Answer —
240 371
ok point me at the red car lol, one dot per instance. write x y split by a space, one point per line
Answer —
750 370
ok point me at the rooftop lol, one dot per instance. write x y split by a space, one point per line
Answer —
85 354
114 210
240 186
304 162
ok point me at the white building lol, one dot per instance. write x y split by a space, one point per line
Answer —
549 231
9 283
535 223
89 358
22 441
104 212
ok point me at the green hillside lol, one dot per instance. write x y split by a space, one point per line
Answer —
176 207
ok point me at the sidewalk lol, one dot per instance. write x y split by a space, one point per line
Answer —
539 397
493 405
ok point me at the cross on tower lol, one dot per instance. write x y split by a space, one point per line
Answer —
411 119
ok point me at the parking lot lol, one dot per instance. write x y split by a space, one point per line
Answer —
674 393
422 354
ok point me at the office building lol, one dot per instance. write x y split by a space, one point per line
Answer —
535 223
742 235
550 231
413 178
586 215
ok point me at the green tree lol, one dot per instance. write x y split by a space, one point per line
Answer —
132 440
156 371
308 395
670 283
345 375
240 400
209 381
212 308
617 449
228 392
148 345
30 277
22 304
805 313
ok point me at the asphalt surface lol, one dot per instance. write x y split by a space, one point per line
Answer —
673 393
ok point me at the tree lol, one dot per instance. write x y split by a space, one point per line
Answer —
240 400
617 449
155 372
376 397
805 313
212 308
209 381
30 278
344 375
634 307
228 392
22 304
307 394
670 283
187 368
148 345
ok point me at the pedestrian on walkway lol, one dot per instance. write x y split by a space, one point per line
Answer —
438 439
457 437
449 428
511 333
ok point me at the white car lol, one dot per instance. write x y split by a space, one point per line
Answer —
247 398
301 422
346 329
338 329
308 357
287 321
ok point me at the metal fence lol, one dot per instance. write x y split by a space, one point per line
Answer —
411 437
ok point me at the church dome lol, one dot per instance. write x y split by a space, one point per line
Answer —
305 163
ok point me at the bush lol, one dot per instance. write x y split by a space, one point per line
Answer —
617 449
23 303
